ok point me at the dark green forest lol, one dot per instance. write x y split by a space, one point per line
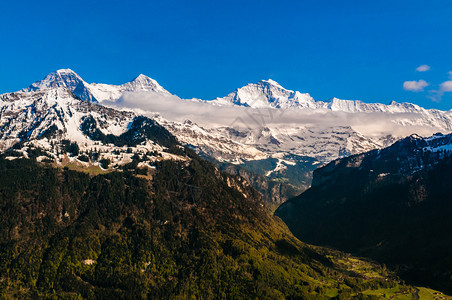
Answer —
191 232
394 206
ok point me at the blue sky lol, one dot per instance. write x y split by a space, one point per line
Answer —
347 49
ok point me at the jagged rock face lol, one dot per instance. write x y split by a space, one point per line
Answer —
28 115
277 151
392 205
286 159
64 78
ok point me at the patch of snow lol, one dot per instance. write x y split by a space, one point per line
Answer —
89 261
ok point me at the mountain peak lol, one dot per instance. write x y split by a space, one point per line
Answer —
65 71
267 94
272 82
142 77
64 75
144 83
60 73
65 78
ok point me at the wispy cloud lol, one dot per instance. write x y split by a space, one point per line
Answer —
450 74
435 95
415 86
423 68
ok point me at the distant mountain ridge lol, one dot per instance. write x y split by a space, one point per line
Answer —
270 94
95 92
263 94
266 94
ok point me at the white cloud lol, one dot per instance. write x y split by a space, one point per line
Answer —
415 86
450 74
423 68
446 86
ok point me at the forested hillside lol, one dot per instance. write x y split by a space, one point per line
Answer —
392 205
186 230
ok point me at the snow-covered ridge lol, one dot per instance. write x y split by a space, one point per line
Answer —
270 94
266 94
95 92
437 143
27 115
51 119
263 94
224 143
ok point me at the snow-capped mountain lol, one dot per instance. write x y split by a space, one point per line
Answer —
95 92
141 83
304 146
266 94
270 94
64 78
329 141
52 119
276 150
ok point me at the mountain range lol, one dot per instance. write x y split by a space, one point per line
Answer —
93 92
296 133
